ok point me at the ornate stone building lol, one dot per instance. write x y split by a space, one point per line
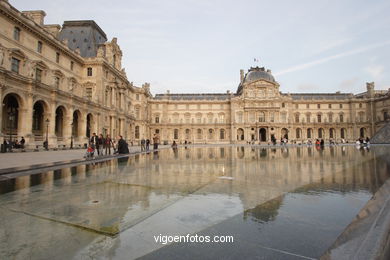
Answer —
65 82
259 112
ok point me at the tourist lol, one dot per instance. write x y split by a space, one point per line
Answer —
367 140
155 142
122 146
142 144
93 140
174 145
322 143
147 144
107 144
22 142
90 152
99 144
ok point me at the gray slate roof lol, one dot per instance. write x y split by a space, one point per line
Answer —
85 35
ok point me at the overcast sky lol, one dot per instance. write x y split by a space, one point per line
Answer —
192 46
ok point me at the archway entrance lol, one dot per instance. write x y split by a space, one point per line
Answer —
59 126
89 125
240 134
75 123
10 115
362 132
284 133
37 124
263 134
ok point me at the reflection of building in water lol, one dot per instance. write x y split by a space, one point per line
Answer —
73 76
258 174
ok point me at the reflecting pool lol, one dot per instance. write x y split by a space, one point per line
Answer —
282 203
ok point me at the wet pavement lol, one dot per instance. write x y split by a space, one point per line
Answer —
283 203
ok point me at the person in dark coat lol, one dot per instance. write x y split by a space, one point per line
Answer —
147 144
22 142
122 146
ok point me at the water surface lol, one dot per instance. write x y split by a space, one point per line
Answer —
282 203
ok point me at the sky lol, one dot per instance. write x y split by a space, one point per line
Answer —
197 46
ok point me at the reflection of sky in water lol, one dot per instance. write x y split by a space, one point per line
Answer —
266 194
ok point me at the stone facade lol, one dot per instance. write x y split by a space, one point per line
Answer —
66 82
258 112
62 82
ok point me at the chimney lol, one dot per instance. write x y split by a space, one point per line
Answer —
241 75
54 29
370 88
37 16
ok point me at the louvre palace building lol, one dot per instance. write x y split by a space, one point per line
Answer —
67 82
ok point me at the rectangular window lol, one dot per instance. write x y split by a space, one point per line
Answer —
39 47
16 34
330 106
330 118
307 105
341 105
38 75
15 65
296 106
71 65
341 118
89 72
319 118
57 57
308 118
318 105
157 120
283 105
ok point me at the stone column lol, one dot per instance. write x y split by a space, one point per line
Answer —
25 120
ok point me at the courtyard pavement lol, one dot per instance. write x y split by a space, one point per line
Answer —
23 159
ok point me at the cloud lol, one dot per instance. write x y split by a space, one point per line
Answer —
330 58
375 71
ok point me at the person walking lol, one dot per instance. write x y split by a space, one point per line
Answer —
99 144
108 144
155 142
142 144
147 145
93 142
122 146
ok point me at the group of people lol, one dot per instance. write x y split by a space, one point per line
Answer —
145 143
103 145
8 144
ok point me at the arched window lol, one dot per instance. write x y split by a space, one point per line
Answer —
343 133
309 131
298 133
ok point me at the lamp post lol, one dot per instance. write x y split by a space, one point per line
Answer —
11 117
71 136
47 134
